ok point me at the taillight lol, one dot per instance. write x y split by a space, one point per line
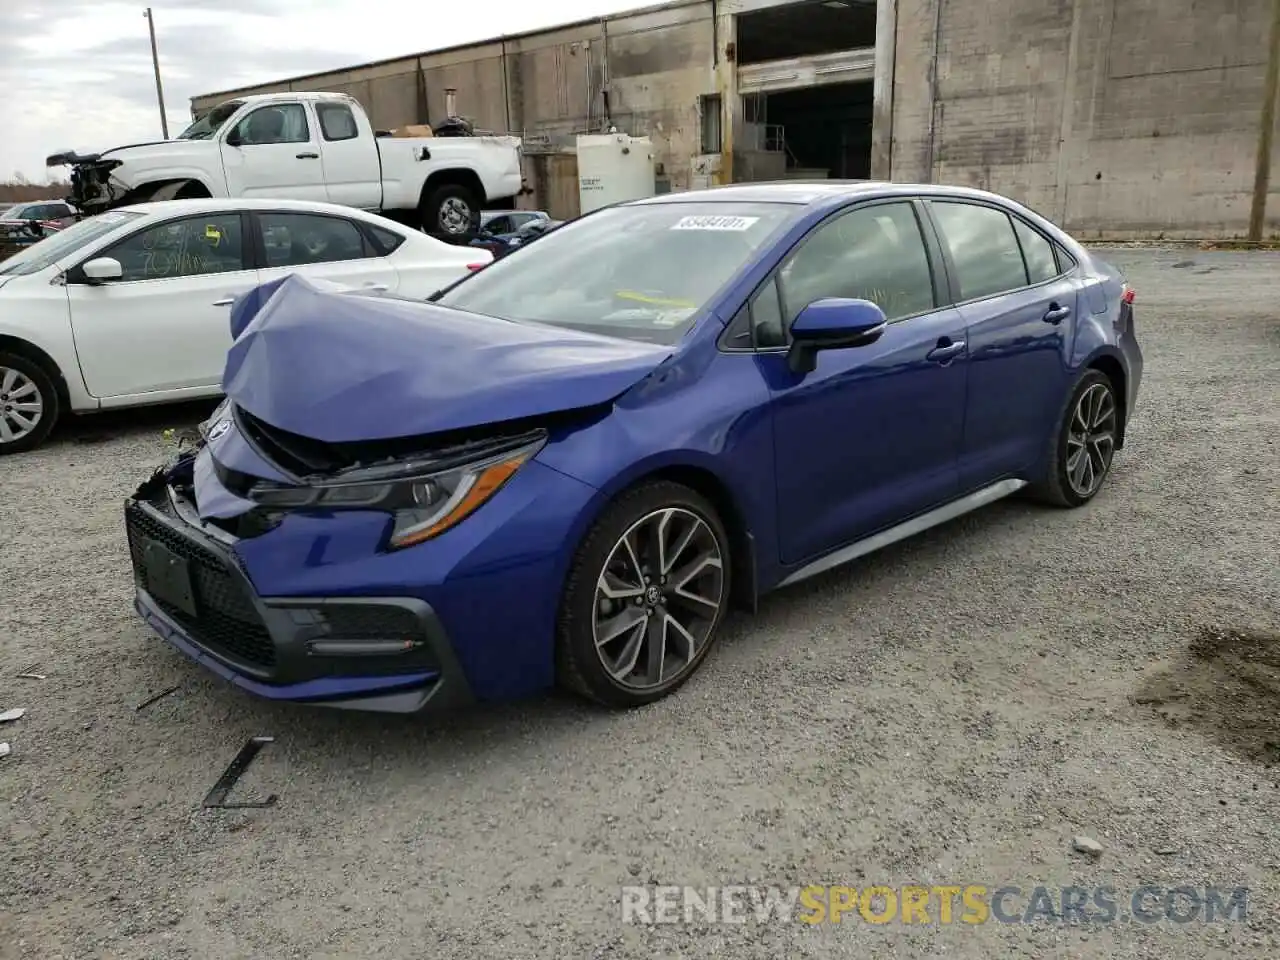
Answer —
1128 295
473 267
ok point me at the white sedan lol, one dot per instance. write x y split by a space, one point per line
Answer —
131 307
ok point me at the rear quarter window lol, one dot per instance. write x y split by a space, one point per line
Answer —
1038 253
385 241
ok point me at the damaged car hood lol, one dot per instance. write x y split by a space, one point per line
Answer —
323 364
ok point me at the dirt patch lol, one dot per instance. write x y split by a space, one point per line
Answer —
1228 687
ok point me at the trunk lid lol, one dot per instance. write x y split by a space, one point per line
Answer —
322 364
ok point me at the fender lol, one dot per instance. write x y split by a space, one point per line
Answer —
751 569
55 346
175 177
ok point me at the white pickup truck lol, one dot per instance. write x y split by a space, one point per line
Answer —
308 146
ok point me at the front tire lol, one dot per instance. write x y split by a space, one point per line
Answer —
645 597
1084 444
452 214
29 404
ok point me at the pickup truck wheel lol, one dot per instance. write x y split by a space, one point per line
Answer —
28 404
452 213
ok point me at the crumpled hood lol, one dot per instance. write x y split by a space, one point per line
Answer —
324 364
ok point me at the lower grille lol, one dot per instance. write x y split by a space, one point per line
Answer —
227 623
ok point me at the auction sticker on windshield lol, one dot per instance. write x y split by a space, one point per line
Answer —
736 224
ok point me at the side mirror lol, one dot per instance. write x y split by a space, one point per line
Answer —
102 269
234 137
832 324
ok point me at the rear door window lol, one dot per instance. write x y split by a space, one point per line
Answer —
983 248
336 121
297 239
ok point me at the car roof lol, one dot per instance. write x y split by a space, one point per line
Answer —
812 192
319 96
211 204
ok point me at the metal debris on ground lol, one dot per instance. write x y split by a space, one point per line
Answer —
217 797
159 696
15 714
32 676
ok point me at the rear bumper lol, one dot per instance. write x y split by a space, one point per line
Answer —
388 654
1133 356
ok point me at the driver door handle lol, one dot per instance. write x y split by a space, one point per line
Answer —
946 350
224 302
376 287
1056 314
308 156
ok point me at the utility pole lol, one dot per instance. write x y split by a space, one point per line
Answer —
155 63
1266 130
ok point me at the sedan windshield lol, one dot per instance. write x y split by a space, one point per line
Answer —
64 243
208 125
639 272
12 213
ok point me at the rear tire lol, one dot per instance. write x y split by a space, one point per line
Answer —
1084 444
452 213
29 404
645 597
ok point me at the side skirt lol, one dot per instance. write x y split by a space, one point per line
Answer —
908 528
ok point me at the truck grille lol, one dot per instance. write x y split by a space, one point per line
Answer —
227 623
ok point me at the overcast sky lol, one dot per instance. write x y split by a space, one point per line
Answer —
77 73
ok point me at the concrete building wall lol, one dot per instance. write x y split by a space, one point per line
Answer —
1115 118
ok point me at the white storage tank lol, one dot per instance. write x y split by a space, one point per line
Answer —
613 167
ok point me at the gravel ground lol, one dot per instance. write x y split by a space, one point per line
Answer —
953 710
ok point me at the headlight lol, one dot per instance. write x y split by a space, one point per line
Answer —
424 503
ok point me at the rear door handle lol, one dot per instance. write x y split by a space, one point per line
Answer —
946 350
308 156
224 302
1056 313
377 287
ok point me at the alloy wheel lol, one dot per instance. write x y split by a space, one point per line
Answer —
21 405
455 216
1091 440
658 598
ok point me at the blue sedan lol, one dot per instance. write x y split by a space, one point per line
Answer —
568 466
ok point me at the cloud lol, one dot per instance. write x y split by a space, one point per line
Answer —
76 74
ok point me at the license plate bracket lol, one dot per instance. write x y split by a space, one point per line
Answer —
169 577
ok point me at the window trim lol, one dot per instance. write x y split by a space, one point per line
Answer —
75 274
369 248
954 284
306 122
939 272
322 105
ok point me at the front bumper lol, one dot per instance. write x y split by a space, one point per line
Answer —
380 653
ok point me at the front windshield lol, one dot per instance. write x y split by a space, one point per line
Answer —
11 213
640 272
64 243
211 122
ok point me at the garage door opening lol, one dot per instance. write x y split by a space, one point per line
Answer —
823 132
806 29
